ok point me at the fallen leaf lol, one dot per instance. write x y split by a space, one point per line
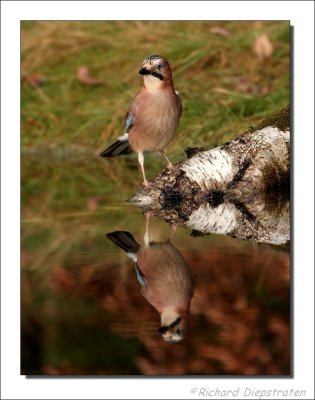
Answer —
62 279
84 76
257 24
218 30
220 90
264 90
93 202
244 85
36 79
263 48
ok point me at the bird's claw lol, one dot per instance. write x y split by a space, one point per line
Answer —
147 184
174 227
171 167
149 213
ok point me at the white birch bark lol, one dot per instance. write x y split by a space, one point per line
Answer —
225 189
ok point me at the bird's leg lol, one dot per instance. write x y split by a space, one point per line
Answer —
147 234
174 227
169 164
141 162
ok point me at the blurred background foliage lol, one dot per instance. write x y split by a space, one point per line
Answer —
226 84
77 79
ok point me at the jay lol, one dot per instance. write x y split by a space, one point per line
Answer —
153 115
165 280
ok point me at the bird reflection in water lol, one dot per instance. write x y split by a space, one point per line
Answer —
165 279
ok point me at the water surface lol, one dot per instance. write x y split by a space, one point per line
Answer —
82 308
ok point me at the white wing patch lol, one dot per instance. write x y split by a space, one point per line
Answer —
123 138
133 256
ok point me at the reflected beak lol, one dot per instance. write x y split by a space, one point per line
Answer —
164 329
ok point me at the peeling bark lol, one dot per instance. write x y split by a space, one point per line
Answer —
229 189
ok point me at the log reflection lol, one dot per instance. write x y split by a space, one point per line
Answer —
263 217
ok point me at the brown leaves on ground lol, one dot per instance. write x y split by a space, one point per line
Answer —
249 84
36 79
218 30
263 48
245 85
84 76
93 202
63 280
236 324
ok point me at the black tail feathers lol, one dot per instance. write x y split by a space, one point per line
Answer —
116 149
124 240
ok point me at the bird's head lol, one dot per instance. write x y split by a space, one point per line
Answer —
156 72
173 326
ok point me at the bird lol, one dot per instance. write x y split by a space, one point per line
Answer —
165 280
153 115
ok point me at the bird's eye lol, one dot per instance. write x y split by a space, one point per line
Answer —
178 331
159 66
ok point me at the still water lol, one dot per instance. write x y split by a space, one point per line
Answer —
83 310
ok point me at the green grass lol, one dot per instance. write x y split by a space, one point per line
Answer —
64 117
64 111
223 86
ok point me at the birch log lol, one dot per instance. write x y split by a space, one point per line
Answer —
230 189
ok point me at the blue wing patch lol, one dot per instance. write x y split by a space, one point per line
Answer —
140 276
130 120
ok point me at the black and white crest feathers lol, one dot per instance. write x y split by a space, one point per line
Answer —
152 58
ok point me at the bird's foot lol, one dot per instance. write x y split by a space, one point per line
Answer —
148 214
170 166
146 184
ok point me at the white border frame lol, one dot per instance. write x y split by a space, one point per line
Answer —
301 14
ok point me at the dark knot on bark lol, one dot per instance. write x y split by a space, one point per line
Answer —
214 197
191 151
171 198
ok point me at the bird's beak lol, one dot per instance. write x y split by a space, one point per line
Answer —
144 71
164 329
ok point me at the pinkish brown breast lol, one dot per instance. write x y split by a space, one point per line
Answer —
157 116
